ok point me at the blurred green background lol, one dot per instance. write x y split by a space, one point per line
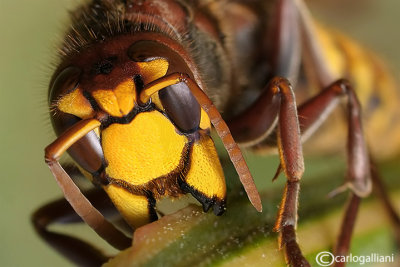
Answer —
30 31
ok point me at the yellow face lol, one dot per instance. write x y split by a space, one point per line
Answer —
146 156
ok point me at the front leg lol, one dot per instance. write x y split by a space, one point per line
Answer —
72 193
292 164
276 108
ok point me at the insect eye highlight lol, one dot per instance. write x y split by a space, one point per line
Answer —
181 107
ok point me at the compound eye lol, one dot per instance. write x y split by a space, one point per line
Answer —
66 81
181 107
87 151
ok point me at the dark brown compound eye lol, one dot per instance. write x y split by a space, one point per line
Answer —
87 151
181 107
66 81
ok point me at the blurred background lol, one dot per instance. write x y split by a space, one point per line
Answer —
30 31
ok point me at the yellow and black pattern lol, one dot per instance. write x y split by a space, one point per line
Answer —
376 89
146 157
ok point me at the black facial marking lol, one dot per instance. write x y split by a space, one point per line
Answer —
139 84
100 177
91 100
104 66
218 205
152 211
148 107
